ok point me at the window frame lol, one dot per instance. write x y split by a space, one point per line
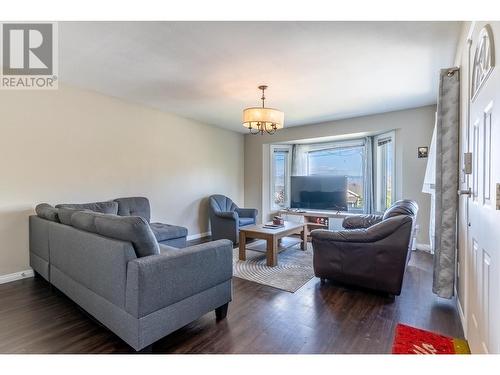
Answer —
343 144
288 172
392 135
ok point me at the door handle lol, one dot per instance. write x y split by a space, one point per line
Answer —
467 192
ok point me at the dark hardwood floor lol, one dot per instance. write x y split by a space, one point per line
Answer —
317 318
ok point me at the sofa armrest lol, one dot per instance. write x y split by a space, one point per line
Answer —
247 212
374 233
232 215
158 281
361 221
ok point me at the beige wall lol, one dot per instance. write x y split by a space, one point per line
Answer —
71 145
413 128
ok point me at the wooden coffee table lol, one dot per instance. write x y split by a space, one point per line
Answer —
272 236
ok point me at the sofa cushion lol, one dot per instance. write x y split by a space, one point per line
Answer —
108 207
85 220
128 228
360 221
165 232
134 206
46 211
246 221
65 214
178 243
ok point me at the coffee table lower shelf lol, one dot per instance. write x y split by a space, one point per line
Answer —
283 244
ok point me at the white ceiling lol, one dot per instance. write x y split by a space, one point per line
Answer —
209 71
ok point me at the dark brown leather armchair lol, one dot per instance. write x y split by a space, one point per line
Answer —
371 251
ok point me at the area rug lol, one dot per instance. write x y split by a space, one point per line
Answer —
411 340
294 267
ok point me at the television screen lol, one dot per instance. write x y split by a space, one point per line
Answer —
319 192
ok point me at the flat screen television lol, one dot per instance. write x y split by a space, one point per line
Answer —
319 192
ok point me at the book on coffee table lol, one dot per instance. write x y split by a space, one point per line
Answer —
274 226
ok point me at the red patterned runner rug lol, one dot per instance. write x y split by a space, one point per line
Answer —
411 340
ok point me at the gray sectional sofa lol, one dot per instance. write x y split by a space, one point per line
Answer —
117 268
165 234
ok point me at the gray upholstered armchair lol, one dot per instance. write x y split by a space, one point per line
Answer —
226 218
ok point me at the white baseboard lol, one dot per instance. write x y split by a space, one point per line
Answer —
16 276
424 247
197 236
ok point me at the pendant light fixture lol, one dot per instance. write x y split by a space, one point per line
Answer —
260 120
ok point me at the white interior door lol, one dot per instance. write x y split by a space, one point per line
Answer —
464 186
479 220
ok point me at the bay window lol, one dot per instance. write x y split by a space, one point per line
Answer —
368 164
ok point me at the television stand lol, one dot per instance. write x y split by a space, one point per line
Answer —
316 219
